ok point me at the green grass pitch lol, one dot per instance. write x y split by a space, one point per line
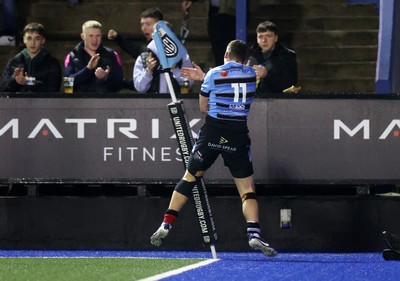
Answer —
86 269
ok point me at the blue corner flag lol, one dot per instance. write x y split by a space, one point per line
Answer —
169 47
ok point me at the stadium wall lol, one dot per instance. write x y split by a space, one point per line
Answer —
319 224
294 139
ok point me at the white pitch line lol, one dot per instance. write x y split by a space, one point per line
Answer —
179 270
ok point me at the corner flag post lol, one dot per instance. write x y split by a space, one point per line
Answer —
170 52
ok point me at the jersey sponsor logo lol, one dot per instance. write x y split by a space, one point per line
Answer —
222 140
237 106
227 148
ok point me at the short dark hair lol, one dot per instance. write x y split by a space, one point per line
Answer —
35 27
154 13
237 50
267 26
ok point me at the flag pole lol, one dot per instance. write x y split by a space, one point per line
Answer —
170 87
166 42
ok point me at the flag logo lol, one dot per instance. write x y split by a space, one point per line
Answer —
169 46
170 49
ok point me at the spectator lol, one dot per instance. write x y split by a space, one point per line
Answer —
33 62
129 47
9 23
275 64
221 25
146 72
226 119
95 67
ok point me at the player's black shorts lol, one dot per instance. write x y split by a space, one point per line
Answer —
233 146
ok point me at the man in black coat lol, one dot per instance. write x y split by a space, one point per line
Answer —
95 68
275 64
33 69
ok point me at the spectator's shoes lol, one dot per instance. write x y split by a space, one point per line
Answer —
392 240
390 255
257 243
7 40
157 238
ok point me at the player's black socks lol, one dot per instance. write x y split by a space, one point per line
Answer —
253 229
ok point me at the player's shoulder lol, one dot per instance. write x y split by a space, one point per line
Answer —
240 70
232 67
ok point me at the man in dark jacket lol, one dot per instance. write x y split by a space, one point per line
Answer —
147 20
33 69
95 68
275 64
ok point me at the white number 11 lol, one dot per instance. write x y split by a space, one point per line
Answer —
236 91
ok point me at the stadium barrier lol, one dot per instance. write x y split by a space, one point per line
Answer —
124 138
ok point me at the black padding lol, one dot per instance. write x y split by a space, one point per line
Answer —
249 195
185 188
172 212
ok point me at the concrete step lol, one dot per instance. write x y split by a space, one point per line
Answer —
332 41
124 17
337 53
267 2
151 2
286 24
336 42
316 10
337 38
329 85
334 17
6 53
300 10
338 70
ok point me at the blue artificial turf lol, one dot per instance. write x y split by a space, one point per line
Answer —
254 266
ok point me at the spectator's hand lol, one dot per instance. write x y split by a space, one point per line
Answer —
186 5
94 61
151 63
101 73
19 75
260 70
112 34
195 73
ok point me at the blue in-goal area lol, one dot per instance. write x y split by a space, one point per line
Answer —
254 266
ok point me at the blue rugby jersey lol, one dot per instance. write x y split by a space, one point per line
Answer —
230 88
